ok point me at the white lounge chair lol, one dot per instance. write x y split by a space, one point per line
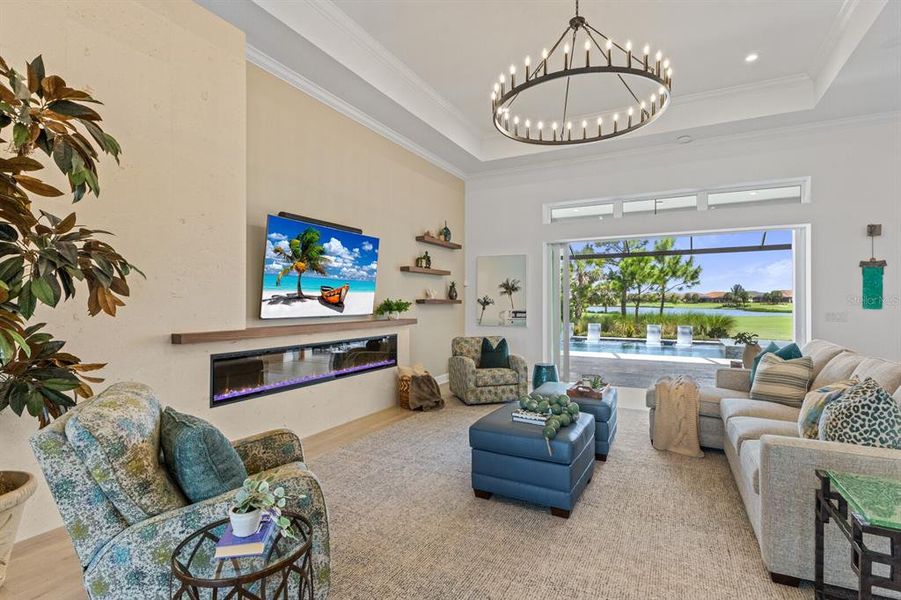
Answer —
654 335
594 332
684 336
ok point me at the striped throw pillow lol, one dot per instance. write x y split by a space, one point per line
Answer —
782 381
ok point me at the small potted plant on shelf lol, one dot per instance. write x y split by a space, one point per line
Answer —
392 309
257 496
752 348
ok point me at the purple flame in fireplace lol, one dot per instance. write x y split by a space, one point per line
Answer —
266 387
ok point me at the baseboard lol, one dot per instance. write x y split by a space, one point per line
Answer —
442 379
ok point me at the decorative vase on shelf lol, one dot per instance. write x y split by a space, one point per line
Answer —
393 316
420 262
445 233
245 524
16 487
750 352
452 291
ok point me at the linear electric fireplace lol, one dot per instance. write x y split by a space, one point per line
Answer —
241 375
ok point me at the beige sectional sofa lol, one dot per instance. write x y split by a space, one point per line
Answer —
774 468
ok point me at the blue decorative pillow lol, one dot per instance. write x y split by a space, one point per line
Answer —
494 357
865 415
788 352
199 457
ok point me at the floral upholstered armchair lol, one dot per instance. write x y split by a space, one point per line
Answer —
124 513
484 386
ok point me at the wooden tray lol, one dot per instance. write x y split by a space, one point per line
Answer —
583 391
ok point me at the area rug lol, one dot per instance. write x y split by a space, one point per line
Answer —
651 525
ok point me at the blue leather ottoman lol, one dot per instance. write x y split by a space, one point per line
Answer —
511 459
604 411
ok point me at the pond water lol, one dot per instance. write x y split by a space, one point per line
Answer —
732 312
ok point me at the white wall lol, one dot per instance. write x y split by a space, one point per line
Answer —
855 171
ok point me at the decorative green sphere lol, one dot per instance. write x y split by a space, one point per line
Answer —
532 406
563 399
549 432
556 409
524 402
554 422
573 409
565 419
543 406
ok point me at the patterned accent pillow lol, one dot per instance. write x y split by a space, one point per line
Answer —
787 352
815 402
782 381
865 415
117 437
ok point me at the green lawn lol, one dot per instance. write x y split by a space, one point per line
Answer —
767 328
751 307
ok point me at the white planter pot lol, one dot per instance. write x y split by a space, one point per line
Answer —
393 316
245 524
750 352
12 503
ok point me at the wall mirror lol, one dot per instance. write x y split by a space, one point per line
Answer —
501 290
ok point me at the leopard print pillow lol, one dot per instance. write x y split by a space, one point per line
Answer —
865 415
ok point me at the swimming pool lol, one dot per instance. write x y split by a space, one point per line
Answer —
668 348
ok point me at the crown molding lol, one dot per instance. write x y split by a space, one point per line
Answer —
295 79
325 25
667 147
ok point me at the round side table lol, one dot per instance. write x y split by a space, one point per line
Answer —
283 571
542 373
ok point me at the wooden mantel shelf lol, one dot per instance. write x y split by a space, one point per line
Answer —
252 333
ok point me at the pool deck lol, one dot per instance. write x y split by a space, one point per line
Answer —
643 370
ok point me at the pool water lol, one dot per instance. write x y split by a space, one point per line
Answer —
708 350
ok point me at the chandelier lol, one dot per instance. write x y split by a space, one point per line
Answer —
601 56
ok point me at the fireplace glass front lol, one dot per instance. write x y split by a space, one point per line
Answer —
241 375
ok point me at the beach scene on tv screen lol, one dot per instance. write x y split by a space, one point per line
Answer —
314 270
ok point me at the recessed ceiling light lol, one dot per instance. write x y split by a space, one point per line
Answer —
684 139
751 57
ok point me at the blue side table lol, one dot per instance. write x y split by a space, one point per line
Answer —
542 373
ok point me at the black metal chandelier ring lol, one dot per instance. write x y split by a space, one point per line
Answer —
614 60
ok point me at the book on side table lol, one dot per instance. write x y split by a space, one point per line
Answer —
232 546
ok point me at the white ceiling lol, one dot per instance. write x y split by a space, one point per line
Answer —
421 71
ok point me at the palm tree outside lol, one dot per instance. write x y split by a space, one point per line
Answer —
304 253
508 287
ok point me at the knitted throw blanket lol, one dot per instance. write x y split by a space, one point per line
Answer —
676 418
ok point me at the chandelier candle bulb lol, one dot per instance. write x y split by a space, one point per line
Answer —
512 77
646 52
565 56
629 54
569 130
584 129
615 121
600 125
540 130
609 52
544 60
644 110
528 124
657 58
528 64
631 112
554 127
515 125
587 53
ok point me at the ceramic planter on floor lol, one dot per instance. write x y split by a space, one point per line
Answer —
747 357
18 486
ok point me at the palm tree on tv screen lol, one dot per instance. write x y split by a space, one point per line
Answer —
304 253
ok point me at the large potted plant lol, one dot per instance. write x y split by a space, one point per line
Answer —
752 348
44 258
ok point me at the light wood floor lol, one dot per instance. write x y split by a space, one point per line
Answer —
45 567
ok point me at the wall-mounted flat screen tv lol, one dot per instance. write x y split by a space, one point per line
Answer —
313 270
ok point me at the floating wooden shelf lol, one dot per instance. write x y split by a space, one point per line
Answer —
428 239
437 301
425 271
252 333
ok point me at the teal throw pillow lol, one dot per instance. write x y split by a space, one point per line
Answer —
494 357
199 457
788 352
865 415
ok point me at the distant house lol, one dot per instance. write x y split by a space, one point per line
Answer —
712 296
788 296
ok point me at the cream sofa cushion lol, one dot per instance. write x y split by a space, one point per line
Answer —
740 429
745 407
821 352
837 369
886 373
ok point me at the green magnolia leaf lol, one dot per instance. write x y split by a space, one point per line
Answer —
43 292
35 402
20 134
27 302
73 109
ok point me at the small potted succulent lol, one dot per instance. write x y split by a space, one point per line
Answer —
392 309
752 348
258 496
